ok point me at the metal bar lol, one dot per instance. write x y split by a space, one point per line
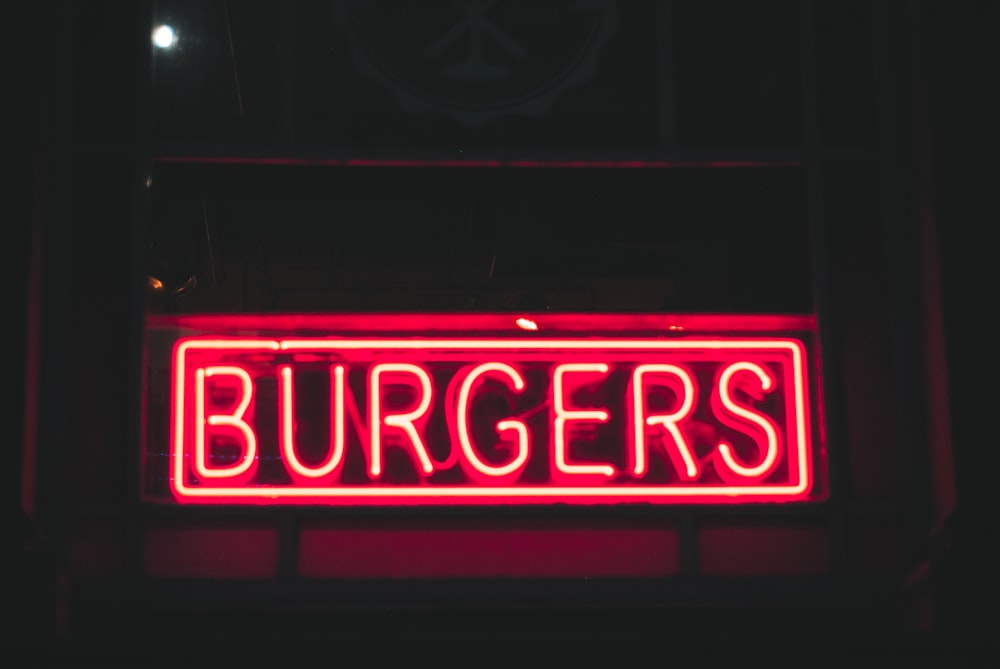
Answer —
805 512
901 277
290 153
54 227
319 157
665 73
288 546
689 545
940 443
232 56
142 216
286 119
829 350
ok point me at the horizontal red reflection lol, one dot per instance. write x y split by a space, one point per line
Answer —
490 420
763 551
521 553
210 552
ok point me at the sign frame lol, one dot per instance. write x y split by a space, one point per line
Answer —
781 337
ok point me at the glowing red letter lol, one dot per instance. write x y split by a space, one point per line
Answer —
403 421
669 421
462 420
233 420
770 451
563 415
286 421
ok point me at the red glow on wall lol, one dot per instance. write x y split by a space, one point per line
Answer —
351 415
179 550
491 552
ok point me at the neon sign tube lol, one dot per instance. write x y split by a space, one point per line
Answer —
390 420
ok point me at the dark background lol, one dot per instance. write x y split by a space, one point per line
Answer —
901 90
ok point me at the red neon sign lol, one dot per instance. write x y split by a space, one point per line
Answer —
379 410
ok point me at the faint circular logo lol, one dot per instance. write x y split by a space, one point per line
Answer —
476 60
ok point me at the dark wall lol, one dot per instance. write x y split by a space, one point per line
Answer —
956 51
75 187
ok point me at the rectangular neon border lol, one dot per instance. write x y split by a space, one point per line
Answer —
425 495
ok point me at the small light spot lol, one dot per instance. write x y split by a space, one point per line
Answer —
526 324
164 37
675 328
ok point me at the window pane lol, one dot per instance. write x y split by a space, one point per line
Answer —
737 73
218 79
342 239
519 73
